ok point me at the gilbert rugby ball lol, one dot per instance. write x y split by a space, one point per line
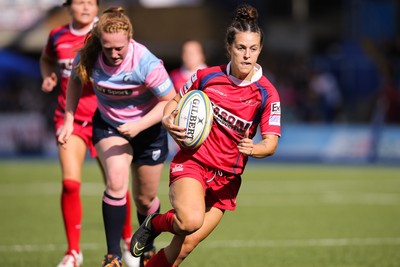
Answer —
196 115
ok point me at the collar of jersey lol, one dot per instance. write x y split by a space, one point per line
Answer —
257 75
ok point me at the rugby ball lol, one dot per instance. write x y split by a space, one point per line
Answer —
195 113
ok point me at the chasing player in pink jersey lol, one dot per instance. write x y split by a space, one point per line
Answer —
62 46
204 182
132 88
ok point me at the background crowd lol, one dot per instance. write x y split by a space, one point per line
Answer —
331 61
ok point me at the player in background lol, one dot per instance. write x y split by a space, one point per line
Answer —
62 45
204 182
132 88
193 58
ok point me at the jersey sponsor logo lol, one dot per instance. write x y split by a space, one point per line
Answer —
216 91
64 46
276 108
65 67
177 168
165 85
275 117
114 92
155 155
275 120
230 121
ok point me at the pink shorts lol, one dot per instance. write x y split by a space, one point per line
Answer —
81 129
220 188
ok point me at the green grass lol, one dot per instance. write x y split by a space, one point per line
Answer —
288 215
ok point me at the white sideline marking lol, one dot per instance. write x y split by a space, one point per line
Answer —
330 242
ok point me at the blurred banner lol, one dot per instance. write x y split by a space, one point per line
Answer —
169 3
25 134
334 143
22 134
339 143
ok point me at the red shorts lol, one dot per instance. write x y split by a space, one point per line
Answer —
81 129
220 188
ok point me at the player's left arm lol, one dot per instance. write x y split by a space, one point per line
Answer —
266 147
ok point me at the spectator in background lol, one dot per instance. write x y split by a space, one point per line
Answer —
193 58
324 86
62 45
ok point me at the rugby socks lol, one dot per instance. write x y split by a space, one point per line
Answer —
155 208
159 260
71 207
114 213
164 222
127 229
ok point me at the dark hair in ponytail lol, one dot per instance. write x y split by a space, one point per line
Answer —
246 20
69 2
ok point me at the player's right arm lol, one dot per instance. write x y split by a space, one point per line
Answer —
48 66
74 92
170 112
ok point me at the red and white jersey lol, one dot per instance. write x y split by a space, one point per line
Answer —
63 44
238 106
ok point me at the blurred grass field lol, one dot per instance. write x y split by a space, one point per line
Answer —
289 215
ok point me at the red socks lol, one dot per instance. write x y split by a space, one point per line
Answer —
159 260
164 222
71 207
127 230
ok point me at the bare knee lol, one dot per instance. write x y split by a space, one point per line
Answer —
117 185
189 224
143 201
147 204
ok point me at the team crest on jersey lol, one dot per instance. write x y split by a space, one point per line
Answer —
230 121
155 155
96 73
127 77
249 102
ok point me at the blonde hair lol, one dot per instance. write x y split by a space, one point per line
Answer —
112 20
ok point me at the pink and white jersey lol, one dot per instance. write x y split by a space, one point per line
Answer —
63 44
238 106
129 91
